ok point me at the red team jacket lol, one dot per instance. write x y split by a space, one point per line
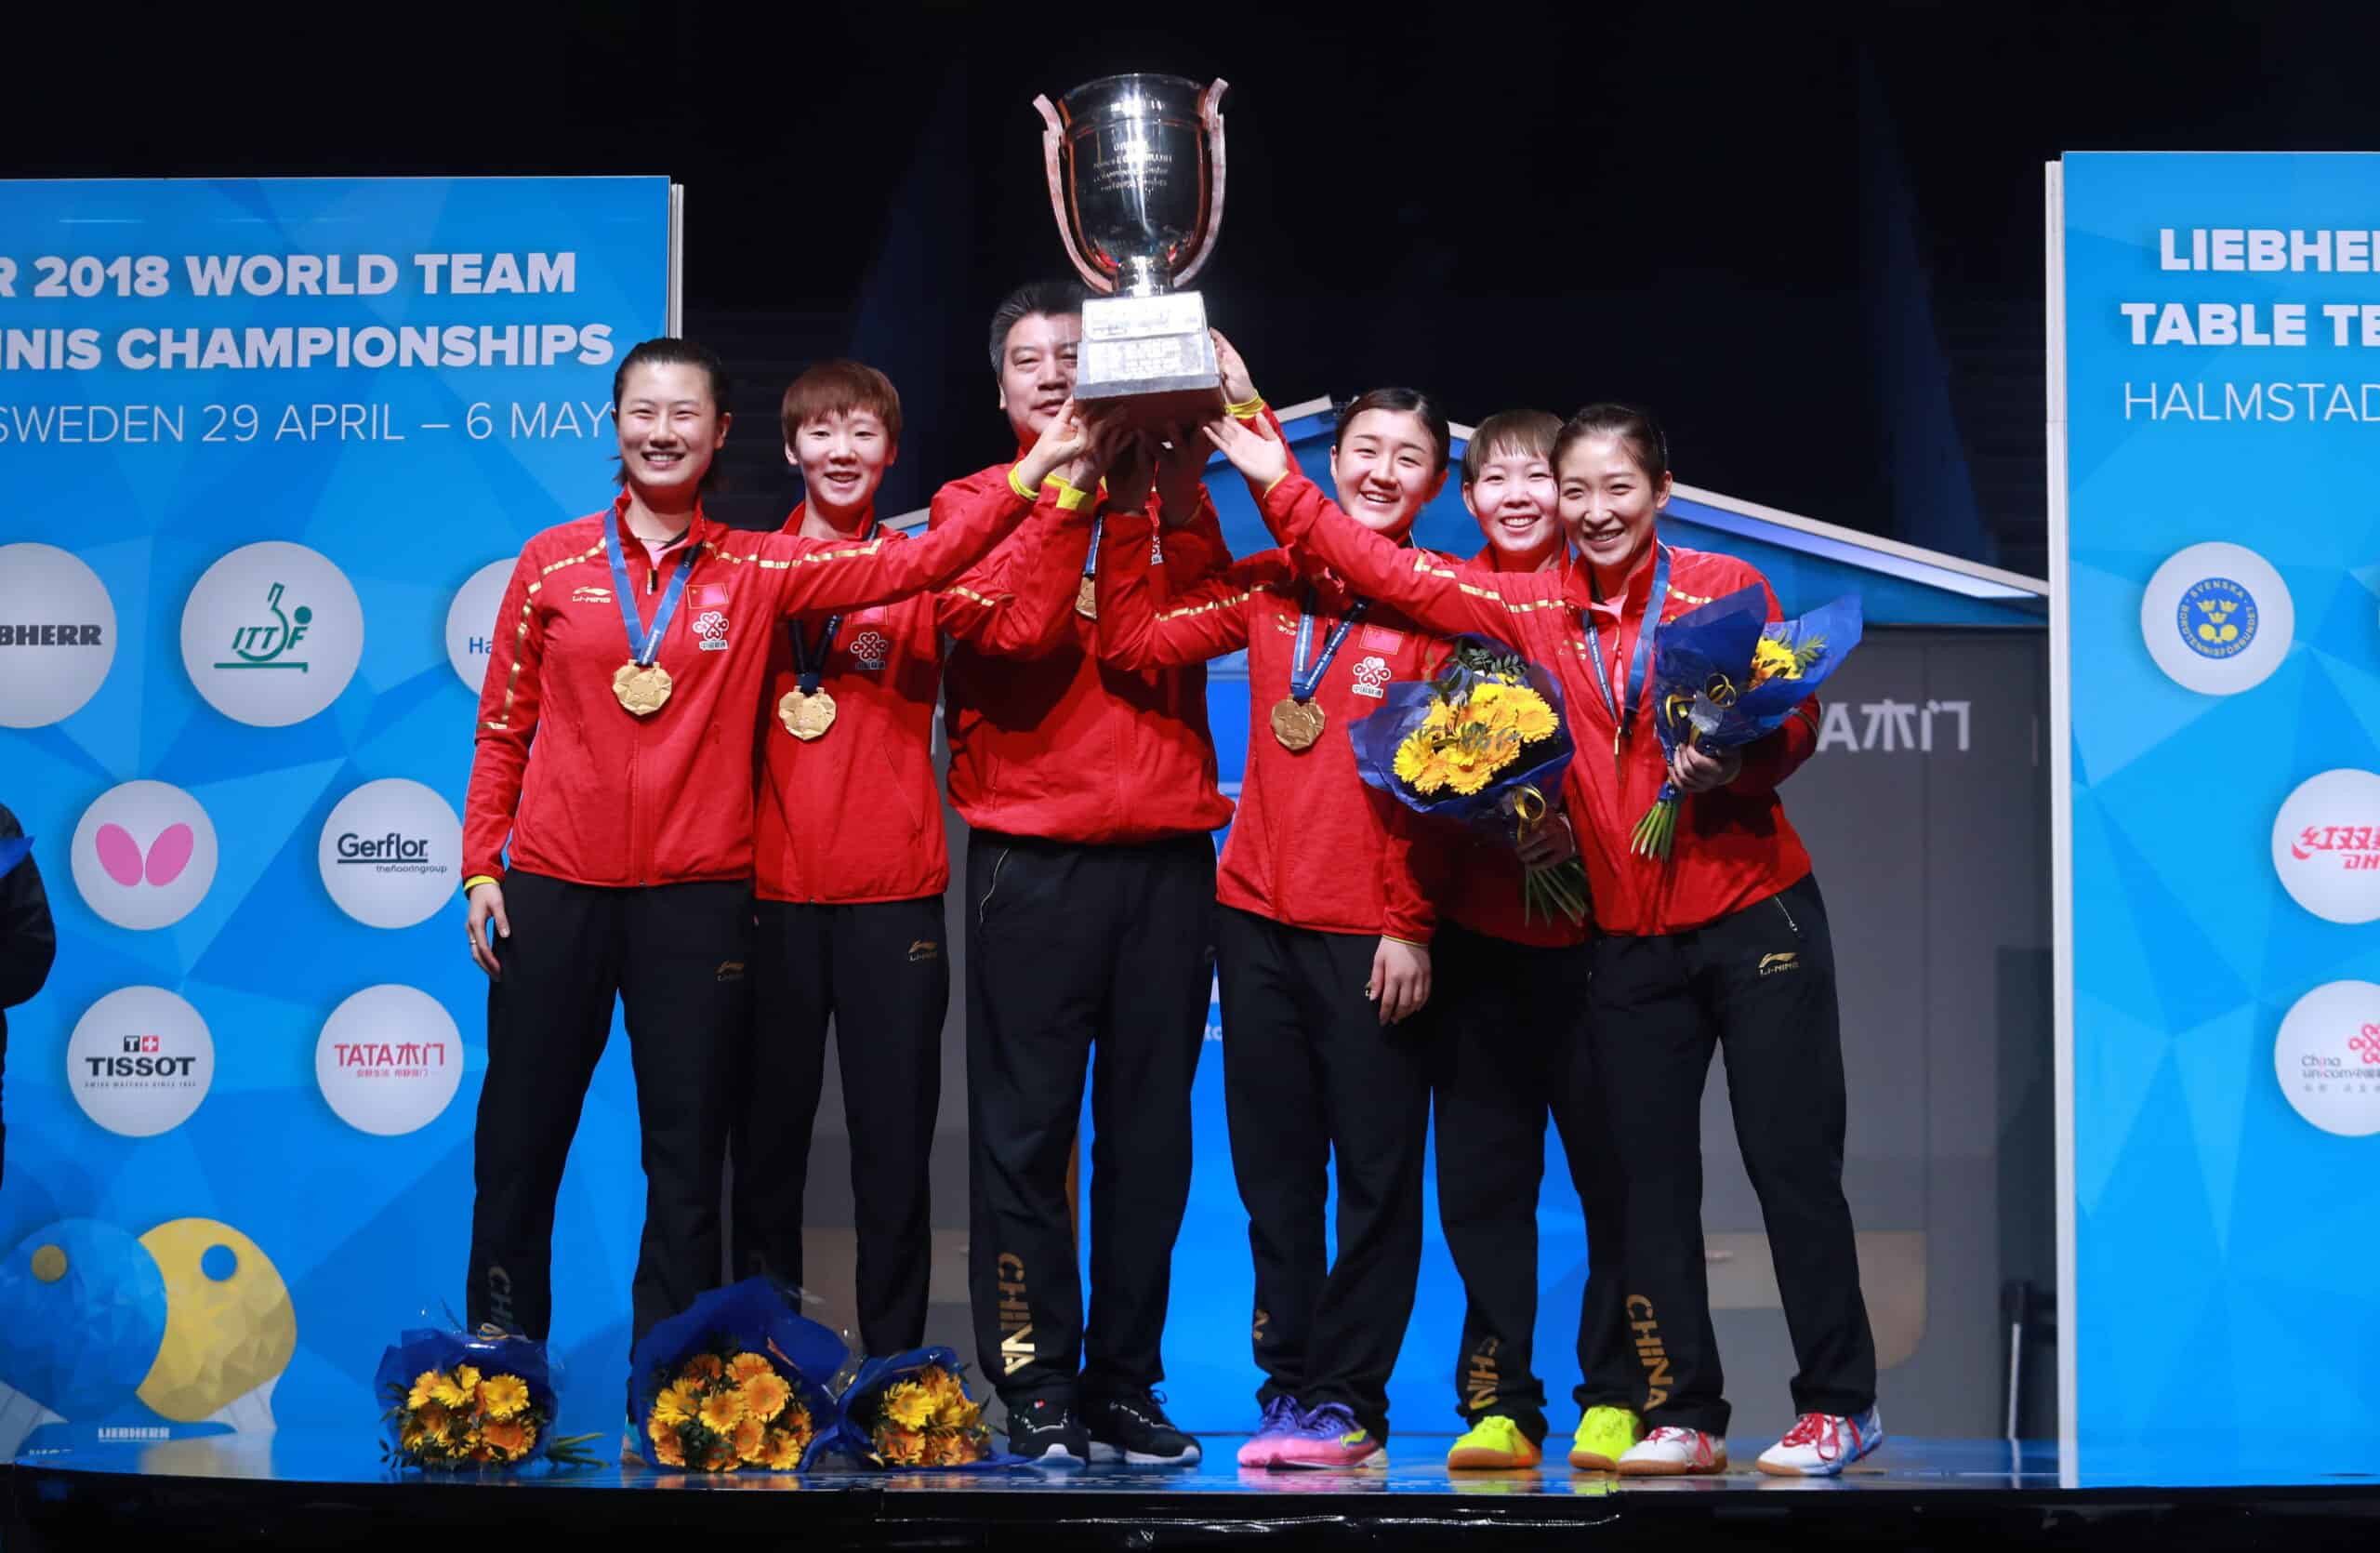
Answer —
590 794
1734 845
1055 743
856 816
1477 875
1312 847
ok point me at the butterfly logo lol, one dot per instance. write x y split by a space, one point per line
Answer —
121 858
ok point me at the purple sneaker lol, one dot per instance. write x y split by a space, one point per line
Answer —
1276 1428
1329 1437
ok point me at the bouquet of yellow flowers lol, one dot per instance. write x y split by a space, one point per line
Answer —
912 1410
737 1382
1484 741
457 1402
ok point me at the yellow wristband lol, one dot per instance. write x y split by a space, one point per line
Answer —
475 881
1016 484
1070 498
1275 481
1245 409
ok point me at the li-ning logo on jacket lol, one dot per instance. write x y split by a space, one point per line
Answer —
590 595
1771 965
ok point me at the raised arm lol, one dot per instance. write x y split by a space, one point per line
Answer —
510 697
1422 585
1205 620
1020 600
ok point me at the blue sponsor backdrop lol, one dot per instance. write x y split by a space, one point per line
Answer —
152 462
2223 1254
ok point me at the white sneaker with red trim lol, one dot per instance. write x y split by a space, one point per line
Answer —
1821 1444
1675 1452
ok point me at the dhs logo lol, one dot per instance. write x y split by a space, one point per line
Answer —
2326 845
2217 619
1371 677
869 649
711 631
140 1061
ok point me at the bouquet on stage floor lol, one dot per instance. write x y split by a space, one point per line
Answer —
912 1410
1725 675
737 1382
459 1401
1483 741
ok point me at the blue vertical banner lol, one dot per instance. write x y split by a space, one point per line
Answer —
2218 648
270 448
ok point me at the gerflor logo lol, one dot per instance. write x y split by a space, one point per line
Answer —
391 853
266 643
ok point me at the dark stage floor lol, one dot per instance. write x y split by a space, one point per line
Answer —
298 1488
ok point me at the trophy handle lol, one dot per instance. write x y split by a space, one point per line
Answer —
1210 118
1052 136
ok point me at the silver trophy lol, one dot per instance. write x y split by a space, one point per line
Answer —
1136 181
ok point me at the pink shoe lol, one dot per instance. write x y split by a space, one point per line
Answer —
1279 1426
1329 1437
1669 1452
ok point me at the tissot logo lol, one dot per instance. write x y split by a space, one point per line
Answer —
57 635
140 1061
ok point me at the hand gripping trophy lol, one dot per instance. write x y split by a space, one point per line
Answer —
1136 180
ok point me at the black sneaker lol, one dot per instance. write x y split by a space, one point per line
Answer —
1045 1430
1130 1427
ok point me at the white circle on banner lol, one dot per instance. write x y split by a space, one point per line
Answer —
57 635
2328 1058
392 853
2217 619
140 1061
470 622
272 634
2326 845
144 855
389 1060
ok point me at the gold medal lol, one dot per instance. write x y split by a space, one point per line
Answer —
1296 723
641 687
1087 599
806 715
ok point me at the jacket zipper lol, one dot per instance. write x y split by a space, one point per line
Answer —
997 869
1787 915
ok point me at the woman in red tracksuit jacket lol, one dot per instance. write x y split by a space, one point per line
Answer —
1512 1051
1321 942
1724 945
851 864
615 753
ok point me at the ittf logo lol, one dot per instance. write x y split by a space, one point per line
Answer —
261 646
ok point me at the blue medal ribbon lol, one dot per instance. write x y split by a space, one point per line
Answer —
1639 662
1091 561
642 644
810 667
1306 680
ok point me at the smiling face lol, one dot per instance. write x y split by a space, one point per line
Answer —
1609 503
670 429
1517 507
1386 468
1038 370
842 456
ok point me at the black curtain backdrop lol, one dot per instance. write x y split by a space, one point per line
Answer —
1809 237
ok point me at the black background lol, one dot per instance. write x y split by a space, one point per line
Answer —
1740 216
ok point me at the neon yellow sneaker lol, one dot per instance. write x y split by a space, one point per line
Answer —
1604 1435
1495 1442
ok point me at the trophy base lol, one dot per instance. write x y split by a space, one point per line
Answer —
1152 349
